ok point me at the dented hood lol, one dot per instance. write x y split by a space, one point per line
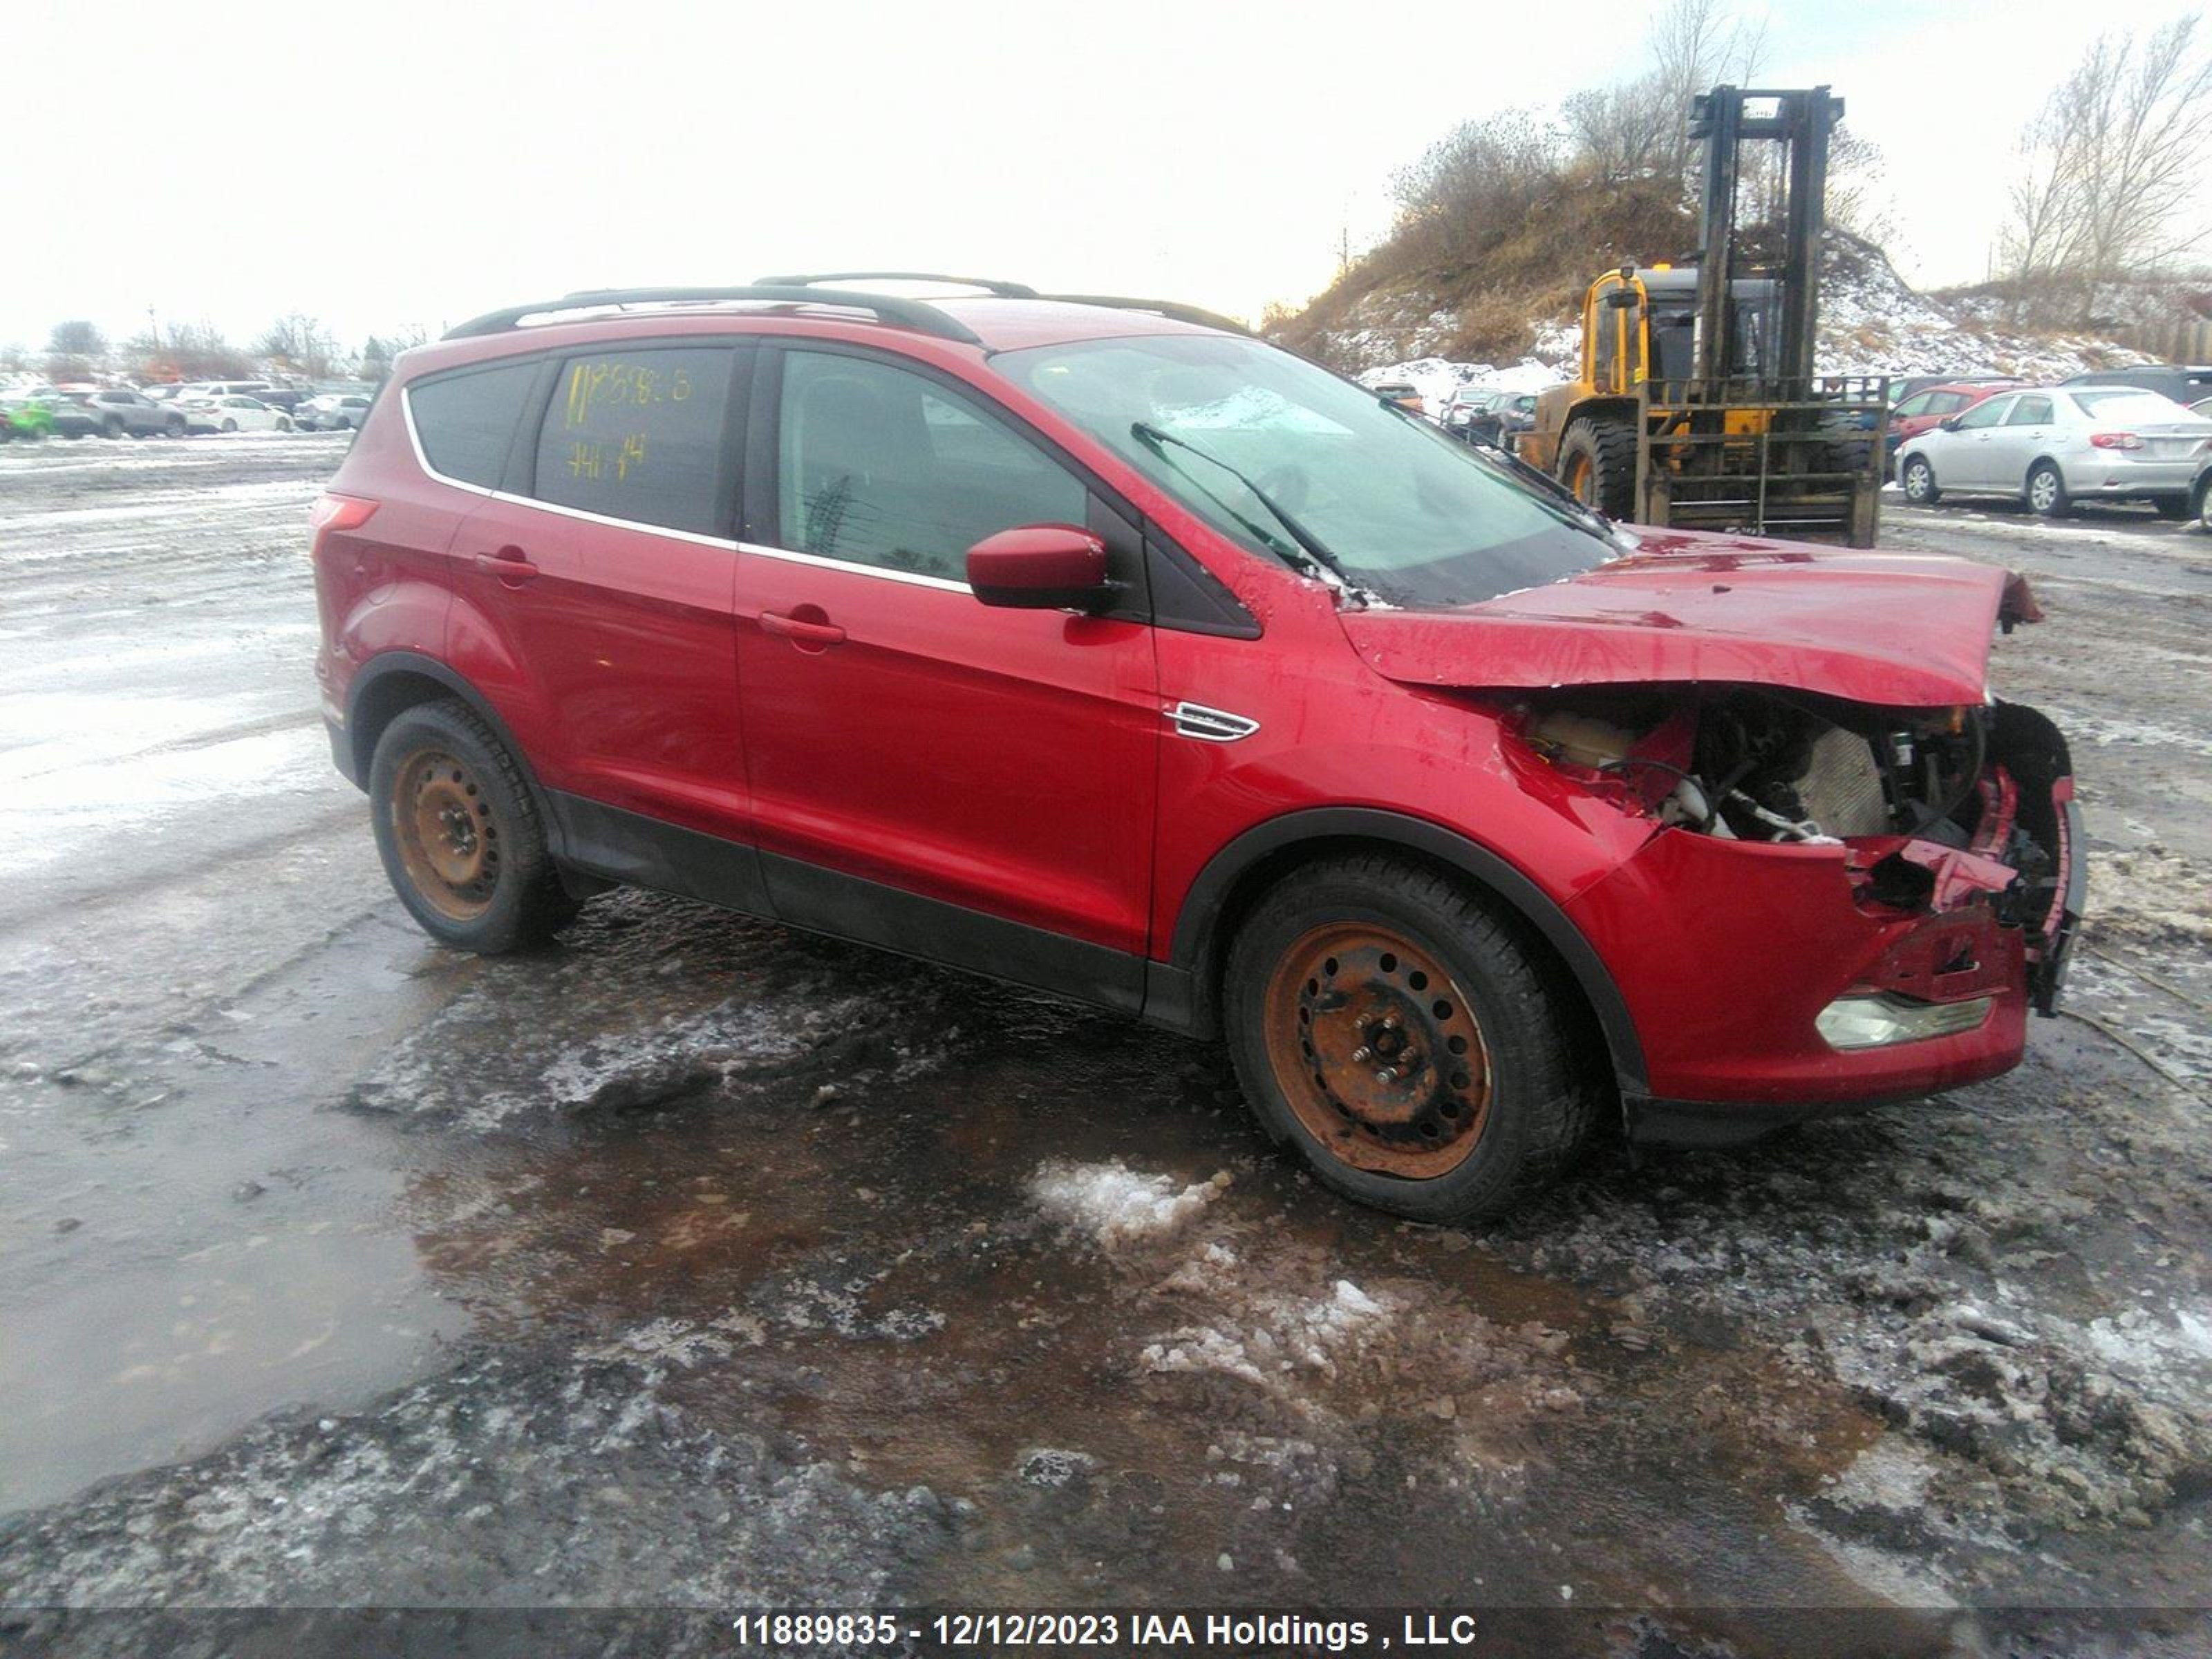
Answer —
1900 629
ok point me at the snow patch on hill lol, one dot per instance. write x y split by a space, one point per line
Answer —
1871 323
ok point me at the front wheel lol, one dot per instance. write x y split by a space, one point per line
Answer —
111 426
174 427
283 424
459 833
1410 1045
2046 492
1919 481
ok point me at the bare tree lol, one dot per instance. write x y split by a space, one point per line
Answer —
1476 185
300 343
2113 170
77 338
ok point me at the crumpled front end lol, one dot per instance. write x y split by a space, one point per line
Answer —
1840 904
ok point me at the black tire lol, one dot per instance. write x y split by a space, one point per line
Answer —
2205 501
174 427
1539 1102
230 425
1917 480
516 898
111 426
1597 461
2046 491
283 422
2170 506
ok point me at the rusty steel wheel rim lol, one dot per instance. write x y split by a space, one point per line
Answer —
449 840
1375 1046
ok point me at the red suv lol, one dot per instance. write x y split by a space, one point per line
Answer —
1099 647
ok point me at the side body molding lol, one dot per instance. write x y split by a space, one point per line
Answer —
1178 989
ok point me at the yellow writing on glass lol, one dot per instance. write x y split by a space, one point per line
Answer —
611 383
616 461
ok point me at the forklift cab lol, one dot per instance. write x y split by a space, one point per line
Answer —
1642 325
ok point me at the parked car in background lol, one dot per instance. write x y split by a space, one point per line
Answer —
2053 446
234 413
2202 406
286 397
231 388
1901 387
2184 383
1463 405
1406 397
27 414
120 411
331 411
1510 415
163 391
1917 411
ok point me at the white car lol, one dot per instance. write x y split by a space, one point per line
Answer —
2053 446
234 413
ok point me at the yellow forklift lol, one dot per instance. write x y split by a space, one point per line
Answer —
1697 404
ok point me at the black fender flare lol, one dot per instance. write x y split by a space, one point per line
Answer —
353 763
1193 952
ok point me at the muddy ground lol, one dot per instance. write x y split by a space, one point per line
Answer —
694 1263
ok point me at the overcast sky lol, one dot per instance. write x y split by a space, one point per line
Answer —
398 163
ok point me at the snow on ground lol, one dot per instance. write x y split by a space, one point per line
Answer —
1115 1205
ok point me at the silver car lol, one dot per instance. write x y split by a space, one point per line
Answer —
2053 446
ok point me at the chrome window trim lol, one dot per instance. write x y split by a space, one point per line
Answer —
638 524
911 578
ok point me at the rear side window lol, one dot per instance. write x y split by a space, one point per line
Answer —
638 435
2030 411
466 422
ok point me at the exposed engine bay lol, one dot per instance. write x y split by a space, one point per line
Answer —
1930 804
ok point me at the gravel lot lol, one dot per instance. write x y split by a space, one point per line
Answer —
695 1263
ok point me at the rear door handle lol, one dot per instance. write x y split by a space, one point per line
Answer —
509 564
799 629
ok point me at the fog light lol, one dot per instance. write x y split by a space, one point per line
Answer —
1877 1022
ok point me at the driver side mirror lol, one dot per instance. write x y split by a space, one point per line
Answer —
1949 424
1041 566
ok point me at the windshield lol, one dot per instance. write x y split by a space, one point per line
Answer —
2127 403
1404 514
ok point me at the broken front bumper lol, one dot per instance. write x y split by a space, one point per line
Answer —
1734 955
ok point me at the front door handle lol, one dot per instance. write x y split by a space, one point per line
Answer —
509 564
800 630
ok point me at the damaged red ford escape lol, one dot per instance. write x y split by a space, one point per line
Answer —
1094 645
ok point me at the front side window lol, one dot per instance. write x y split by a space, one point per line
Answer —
1295 464
466 422
884 467
1984 414
638 435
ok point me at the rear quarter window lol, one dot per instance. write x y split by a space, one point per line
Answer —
465 422
638 435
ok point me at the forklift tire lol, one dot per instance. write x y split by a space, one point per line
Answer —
1597 463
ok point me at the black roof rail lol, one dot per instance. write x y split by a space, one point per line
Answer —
1169 308
917 314
989 285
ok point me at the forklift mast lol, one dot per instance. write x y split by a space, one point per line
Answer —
1802 123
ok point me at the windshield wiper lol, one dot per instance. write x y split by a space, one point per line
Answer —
1311 545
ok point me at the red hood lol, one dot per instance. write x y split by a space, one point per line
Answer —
1901 629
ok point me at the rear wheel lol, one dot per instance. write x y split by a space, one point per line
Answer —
1919 481
1409 1043
1597 462
173 426
2046 491
459 833
111 426
230 425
